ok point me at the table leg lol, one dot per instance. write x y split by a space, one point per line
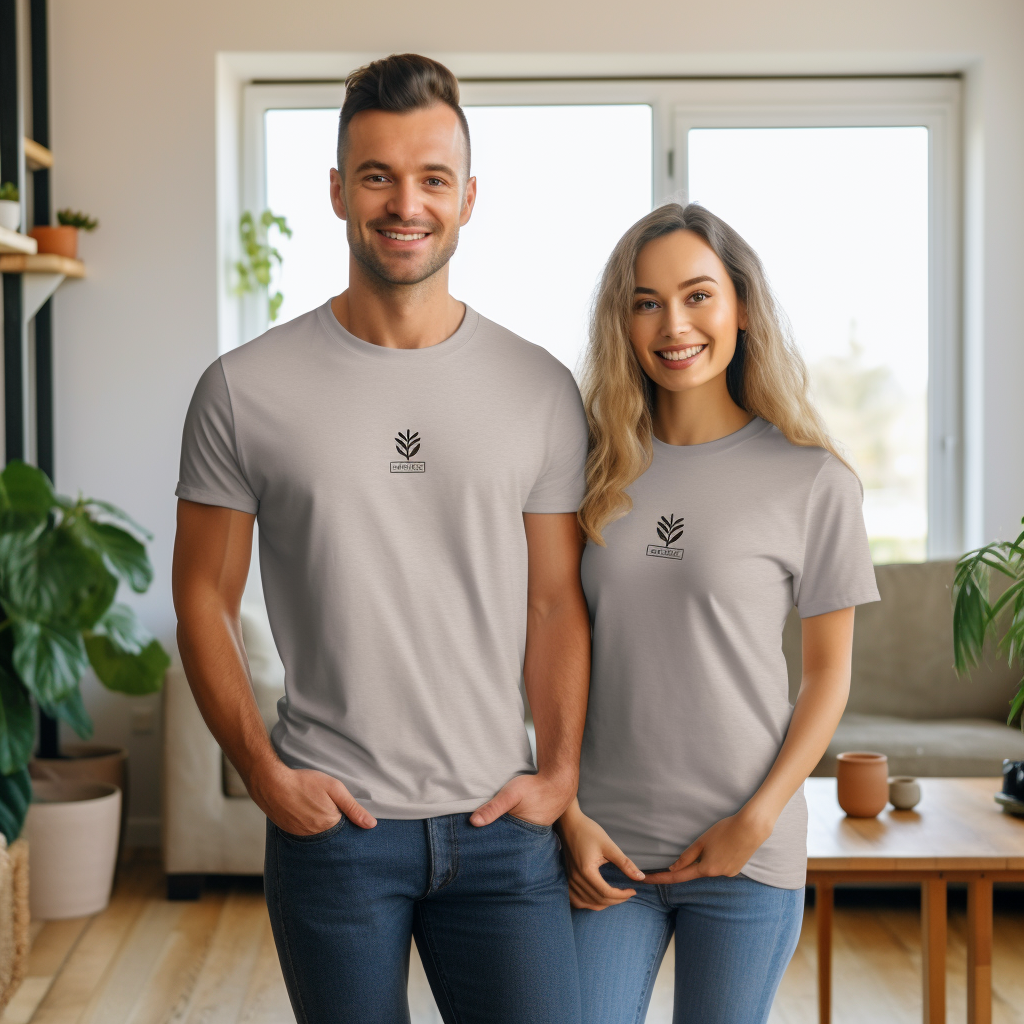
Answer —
979 951
933 949
823 903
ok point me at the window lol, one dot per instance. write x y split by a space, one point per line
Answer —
848 189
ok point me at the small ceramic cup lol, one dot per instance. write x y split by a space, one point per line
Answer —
862 783
904 792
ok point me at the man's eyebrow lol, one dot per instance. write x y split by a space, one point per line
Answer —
368 165
683 284
443 168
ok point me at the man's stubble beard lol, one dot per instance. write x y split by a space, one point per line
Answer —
378 271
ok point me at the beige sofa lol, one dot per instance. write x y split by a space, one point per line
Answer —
905 701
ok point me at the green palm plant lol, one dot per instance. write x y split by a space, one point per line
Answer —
976 616
61 564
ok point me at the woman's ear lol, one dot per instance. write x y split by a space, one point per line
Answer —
741 315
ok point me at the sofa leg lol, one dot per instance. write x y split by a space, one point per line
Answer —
184 887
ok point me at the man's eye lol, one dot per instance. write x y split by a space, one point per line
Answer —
377 179
434 182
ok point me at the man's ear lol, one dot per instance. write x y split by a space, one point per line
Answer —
468 202
338 194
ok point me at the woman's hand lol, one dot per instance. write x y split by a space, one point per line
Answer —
586 847
722 850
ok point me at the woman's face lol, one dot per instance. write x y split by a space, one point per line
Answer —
685 312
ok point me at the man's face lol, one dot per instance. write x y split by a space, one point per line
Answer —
405 192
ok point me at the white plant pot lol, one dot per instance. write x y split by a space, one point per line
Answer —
72 830
10 214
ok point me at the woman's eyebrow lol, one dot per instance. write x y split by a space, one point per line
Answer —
682 284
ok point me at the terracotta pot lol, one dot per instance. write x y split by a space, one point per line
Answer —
61 240
72 840
88 762
863 783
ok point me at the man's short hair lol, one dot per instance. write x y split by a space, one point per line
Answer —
399 83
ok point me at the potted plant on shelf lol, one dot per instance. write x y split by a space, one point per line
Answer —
62 240
61 563
259 257
10 207
976 617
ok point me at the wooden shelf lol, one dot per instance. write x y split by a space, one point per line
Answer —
14 241
37 157
43 263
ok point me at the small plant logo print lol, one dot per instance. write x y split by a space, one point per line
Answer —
407 445
670 530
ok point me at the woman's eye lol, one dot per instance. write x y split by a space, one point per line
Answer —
699 296
646 305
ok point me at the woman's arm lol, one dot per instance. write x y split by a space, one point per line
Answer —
824 689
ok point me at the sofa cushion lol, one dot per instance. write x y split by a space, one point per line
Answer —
267 673
953 747
903 653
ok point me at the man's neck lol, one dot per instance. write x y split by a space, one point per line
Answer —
398 316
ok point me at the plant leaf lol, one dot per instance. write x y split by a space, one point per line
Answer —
29 495
49 659
17 729
1016 705
125 672
414 451
124 555
15 796
676 534
72 710
115 513
122 627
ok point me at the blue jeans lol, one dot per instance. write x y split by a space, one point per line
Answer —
488 908
734 938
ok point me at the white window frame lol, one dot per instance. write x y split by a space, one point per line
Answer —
681 104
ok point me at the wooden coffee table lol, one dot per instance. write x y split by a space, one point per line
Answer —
957 833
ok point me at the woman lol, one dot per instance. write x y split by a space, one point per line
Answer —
716 502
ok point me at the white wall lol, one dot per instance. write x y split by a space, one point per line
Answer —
133 130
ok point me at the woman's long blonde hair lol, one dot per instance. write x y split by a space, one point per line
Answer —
767 376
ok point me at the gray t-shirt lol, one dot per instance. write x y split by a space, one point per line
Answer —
689 700
390 487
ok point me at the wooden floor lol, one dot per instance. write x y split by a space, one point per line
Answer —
147 961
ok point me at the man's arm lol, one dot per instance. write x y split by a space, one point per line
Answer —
556 670
212 549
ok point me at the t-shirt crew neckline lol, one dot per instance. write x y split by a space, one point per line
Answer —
463 333
721 444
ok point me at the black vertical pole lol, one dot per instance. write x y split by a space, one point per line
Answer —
49 729
9 171
41 215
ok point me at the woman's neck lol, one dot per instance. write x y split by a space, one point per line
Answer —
697 415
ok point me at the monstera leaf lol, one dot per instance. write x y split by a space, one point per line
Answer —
61 562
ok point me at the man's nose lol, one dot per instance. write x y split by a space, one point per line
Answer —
405 202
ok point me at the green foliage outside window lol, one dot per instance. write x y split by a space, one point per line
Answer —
61 564
9 192
254 269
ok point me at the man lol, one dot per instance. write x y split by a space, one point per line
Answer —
415 470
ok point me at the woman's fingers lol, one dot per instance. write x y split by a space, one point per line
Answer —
603 891
623 863
689 855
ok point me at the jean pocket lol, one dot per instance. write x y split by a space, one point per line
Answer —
529 826
316 837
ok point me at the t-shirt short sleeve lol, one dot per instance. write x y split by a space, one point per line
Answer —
837 571
210 472
562 481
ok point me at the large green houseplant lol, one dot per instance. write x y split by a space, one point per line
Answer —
976 616
61 563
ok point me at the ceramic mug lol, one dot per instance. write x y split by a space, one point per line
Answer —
904 792
862 783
